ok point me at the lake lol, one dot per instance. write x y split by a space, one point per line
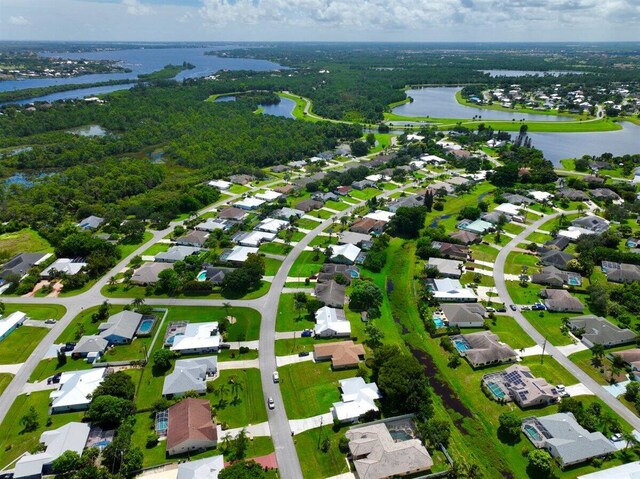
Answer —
440 102
284 108
141 60
558 146
521 73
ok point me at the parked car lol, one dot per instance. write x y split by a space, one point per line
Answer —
513 307
538 307
50 321
271 403
276 377
224 346
525 308
302 354
501 310
69 347
491 310
307 333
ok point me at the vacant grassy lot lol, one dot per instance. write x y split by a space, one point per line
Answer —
155 249
549 369
307 264
23 241
315 463
271 266
307 224
510 332
17 347
275 248
5 379
484 252
322 214
39 312
549 325
527 294
14 441
309 388
336 205
324 241
248 407
290 319
516 260
365 194
127 248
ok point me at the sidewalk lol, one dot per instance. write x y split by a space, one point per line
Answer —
242 364
302 425
255 430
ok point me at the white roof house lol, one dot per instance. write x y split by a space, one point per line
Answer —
70 437
434 159
212 224
380 215
541 195
197 338
448 268
358 398
254 238
249 203
269 195
220 184
625 471
508 209
76 389
375 178
239 254
414 137
11 322
271 225
331 322
451 291
207 468
345 253
63 265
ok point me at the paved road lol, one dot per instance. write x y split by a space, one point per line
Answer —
579 374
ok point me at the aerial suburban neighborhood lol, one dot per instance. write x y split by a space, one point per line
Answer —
234 290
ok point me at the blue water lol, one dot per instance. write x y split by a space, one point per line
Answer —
173 338
495 390
533 433
354 274
223 99
461 346
67 95
438 322
440 102
146 326
574 281
284 108
202 276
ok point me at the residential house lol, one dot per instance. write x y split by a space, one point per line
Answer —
90 347
561 301
220 184
10 323
433 160
149 273
190 427
212 224
464 315
330 270
309 205
324 197
406 202
342 354
241 179
280 168
70 437
605 194
91 223
330 293
517 199
75 390
511 212
284 189
215 274
541 196
447 290
207 468
518 384
621 272
441 188
466 237
357 239
331 322
358 398
21 264
300 183
380 215
593 180
195 238
287 213
595 224
368 226
198 338
271 225
378 455
268 195
450 250
483 349
120 328
457 181
189 375
597 330
559 259
566 440
343 190
573 194
344 253
552 276
252 238
632 358
238 254
495 217
67 266
363 184
478 227
448 268
630 470
176 253
249 203
558 243
232 214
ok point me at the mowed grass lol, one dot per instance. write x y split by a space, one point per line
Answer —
275 248
23 241
13 440
516 260
549 325
309 389
20 343
511 333
290 319
527 294
248 408
38 312
315 463
484 252
5 379
48 367
307 264
271 266
365 194
127 248
307 224
335 205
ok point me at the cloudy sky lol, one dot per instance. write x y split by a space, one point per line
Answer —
329 20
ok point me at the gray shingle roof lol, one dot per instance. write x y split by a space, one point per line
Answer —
598 330
123 324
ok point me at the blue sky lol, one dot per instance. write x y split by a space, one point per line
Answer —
313 20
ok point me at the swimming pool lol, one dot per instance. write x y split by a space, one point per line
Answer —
162 422
171 339
202 276
354 274
146 325
461 346
399 435
573 281
532 432
438 322
495 390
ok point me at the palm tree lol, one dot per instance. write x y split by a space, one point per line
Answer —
112 282
580 208
236 387
137 302
226 305
630 439
598 353
220 392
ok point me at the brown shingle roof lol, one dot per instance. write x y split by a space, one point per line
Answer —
190 419
343 353
232 213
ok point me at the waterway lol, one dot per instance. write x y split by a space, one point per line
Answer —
284 108
558 146
440 102
141 60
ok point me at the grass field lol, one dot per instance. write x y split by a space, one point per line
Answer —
271 266
322 214
315 463
484 252
39 312
307 224
127 248
549 324
309 389
48 367
5 379
275 248
248 407
288 318
511 333
155 249
365 194
17 347
516 260
305 265
323 241
335 205
23 241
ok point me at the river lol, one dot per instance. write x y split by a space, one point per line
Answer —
141 60
440 102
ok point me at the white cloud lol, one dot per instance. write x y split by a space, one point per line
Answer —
18 20
134 7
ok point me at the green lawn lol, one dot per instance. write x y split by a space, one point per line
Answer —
238 189
17 347
307 224
288 318
13 441
132 291
516 260
514 228
5 379
365 194
510 332
248 408
307 264
336 205
309 389
316 464
275 248
323 214
82 324
39 312
23 241
538 238
156 248
484 252
271 266
323 241
528 294
549 369
127 248
285 347
295 236
485 280
549 324
48 367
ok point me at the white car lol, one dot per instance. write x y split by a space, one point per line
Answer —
271 403
276 377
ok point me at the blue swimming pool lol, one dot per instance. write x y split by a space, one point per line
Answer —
573 281
354 274
461 346
202 276
438 322
495 390
171 339
146 325
532 432
102 444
